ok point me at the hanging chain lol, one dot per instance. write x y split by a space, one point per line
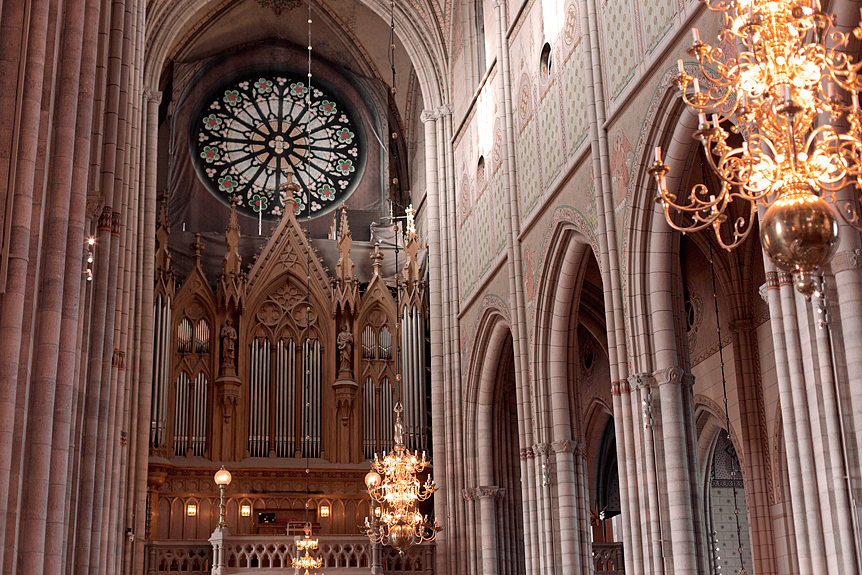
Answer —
307 342
732 453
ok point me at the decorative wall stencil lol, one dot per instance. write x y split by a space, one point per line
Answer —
657 18
525 102
529 273
619 41
279 6
622 155
693 309
553 145
248 130
572 27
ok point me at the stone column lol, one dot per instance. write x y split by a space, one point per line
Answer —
516 294
680 516
45 384
445 562
18 221
145 376
488 496
567 506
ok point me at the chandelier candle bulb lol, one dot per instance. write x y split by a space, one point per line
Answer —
681 67
695 35
696 86
658 154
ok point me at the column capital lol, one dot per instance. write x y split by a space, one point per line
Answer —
429 115
444 110
669 375
565 446
641 380
542 449
94 205
153 95
490 492
846 260
499 3
762 291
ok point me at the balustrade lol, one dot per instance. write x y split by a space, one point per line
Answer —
608 557
244 554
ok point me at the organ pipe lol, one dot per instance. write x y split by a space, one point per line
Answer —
284 400
369 414
202 337
387 424
258 405
311 387
198 437
368 343
184 336
181 415
161 377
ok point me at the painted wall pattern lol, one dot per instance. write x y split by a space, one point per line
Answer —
619 45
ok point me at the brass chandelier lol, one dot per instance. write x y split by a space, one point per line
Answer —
305 545
782 92
392 482
395 492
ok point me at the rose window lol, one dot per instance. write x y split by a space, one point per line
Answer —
251 129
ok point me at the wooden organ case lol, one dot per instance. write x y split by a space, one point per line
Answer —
258 376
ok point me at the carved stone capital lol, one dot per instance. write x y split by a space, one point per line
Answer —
468 493
762 292
94 205
846 260
542 449
669 375
687 380
444 110
499 3
641 380
565 446
429 116
153 96
490 491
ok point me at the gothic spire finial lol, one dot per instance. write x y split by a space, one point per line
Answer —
197 248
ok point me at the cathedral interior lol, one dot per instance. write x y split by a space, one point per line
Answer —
463 287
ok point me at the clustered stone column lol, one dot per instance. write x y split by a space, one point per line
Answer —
72 378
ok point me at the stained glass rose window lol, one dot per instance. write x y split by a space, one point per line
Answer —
249 129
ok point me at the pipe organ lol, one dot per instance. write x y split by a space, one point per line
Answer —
255 367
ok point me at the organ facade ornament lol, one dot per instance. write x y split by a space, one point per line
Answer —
237 352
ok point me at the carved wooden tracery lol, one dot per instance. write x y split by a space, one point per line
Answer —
311 365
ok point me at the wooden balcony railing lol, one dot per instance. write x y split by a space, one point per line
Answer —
608 557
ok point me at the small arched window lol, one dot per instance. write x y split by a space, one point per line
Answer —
545 62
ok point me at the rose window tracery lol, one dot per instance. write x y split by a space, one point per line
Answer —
249 130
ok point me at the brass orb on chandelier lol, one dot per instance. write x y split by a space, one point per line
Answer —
395 493
780 91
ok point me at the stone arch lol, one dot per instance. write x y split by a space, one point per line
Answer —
494 420
168 21
650 246
492 328
559 279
